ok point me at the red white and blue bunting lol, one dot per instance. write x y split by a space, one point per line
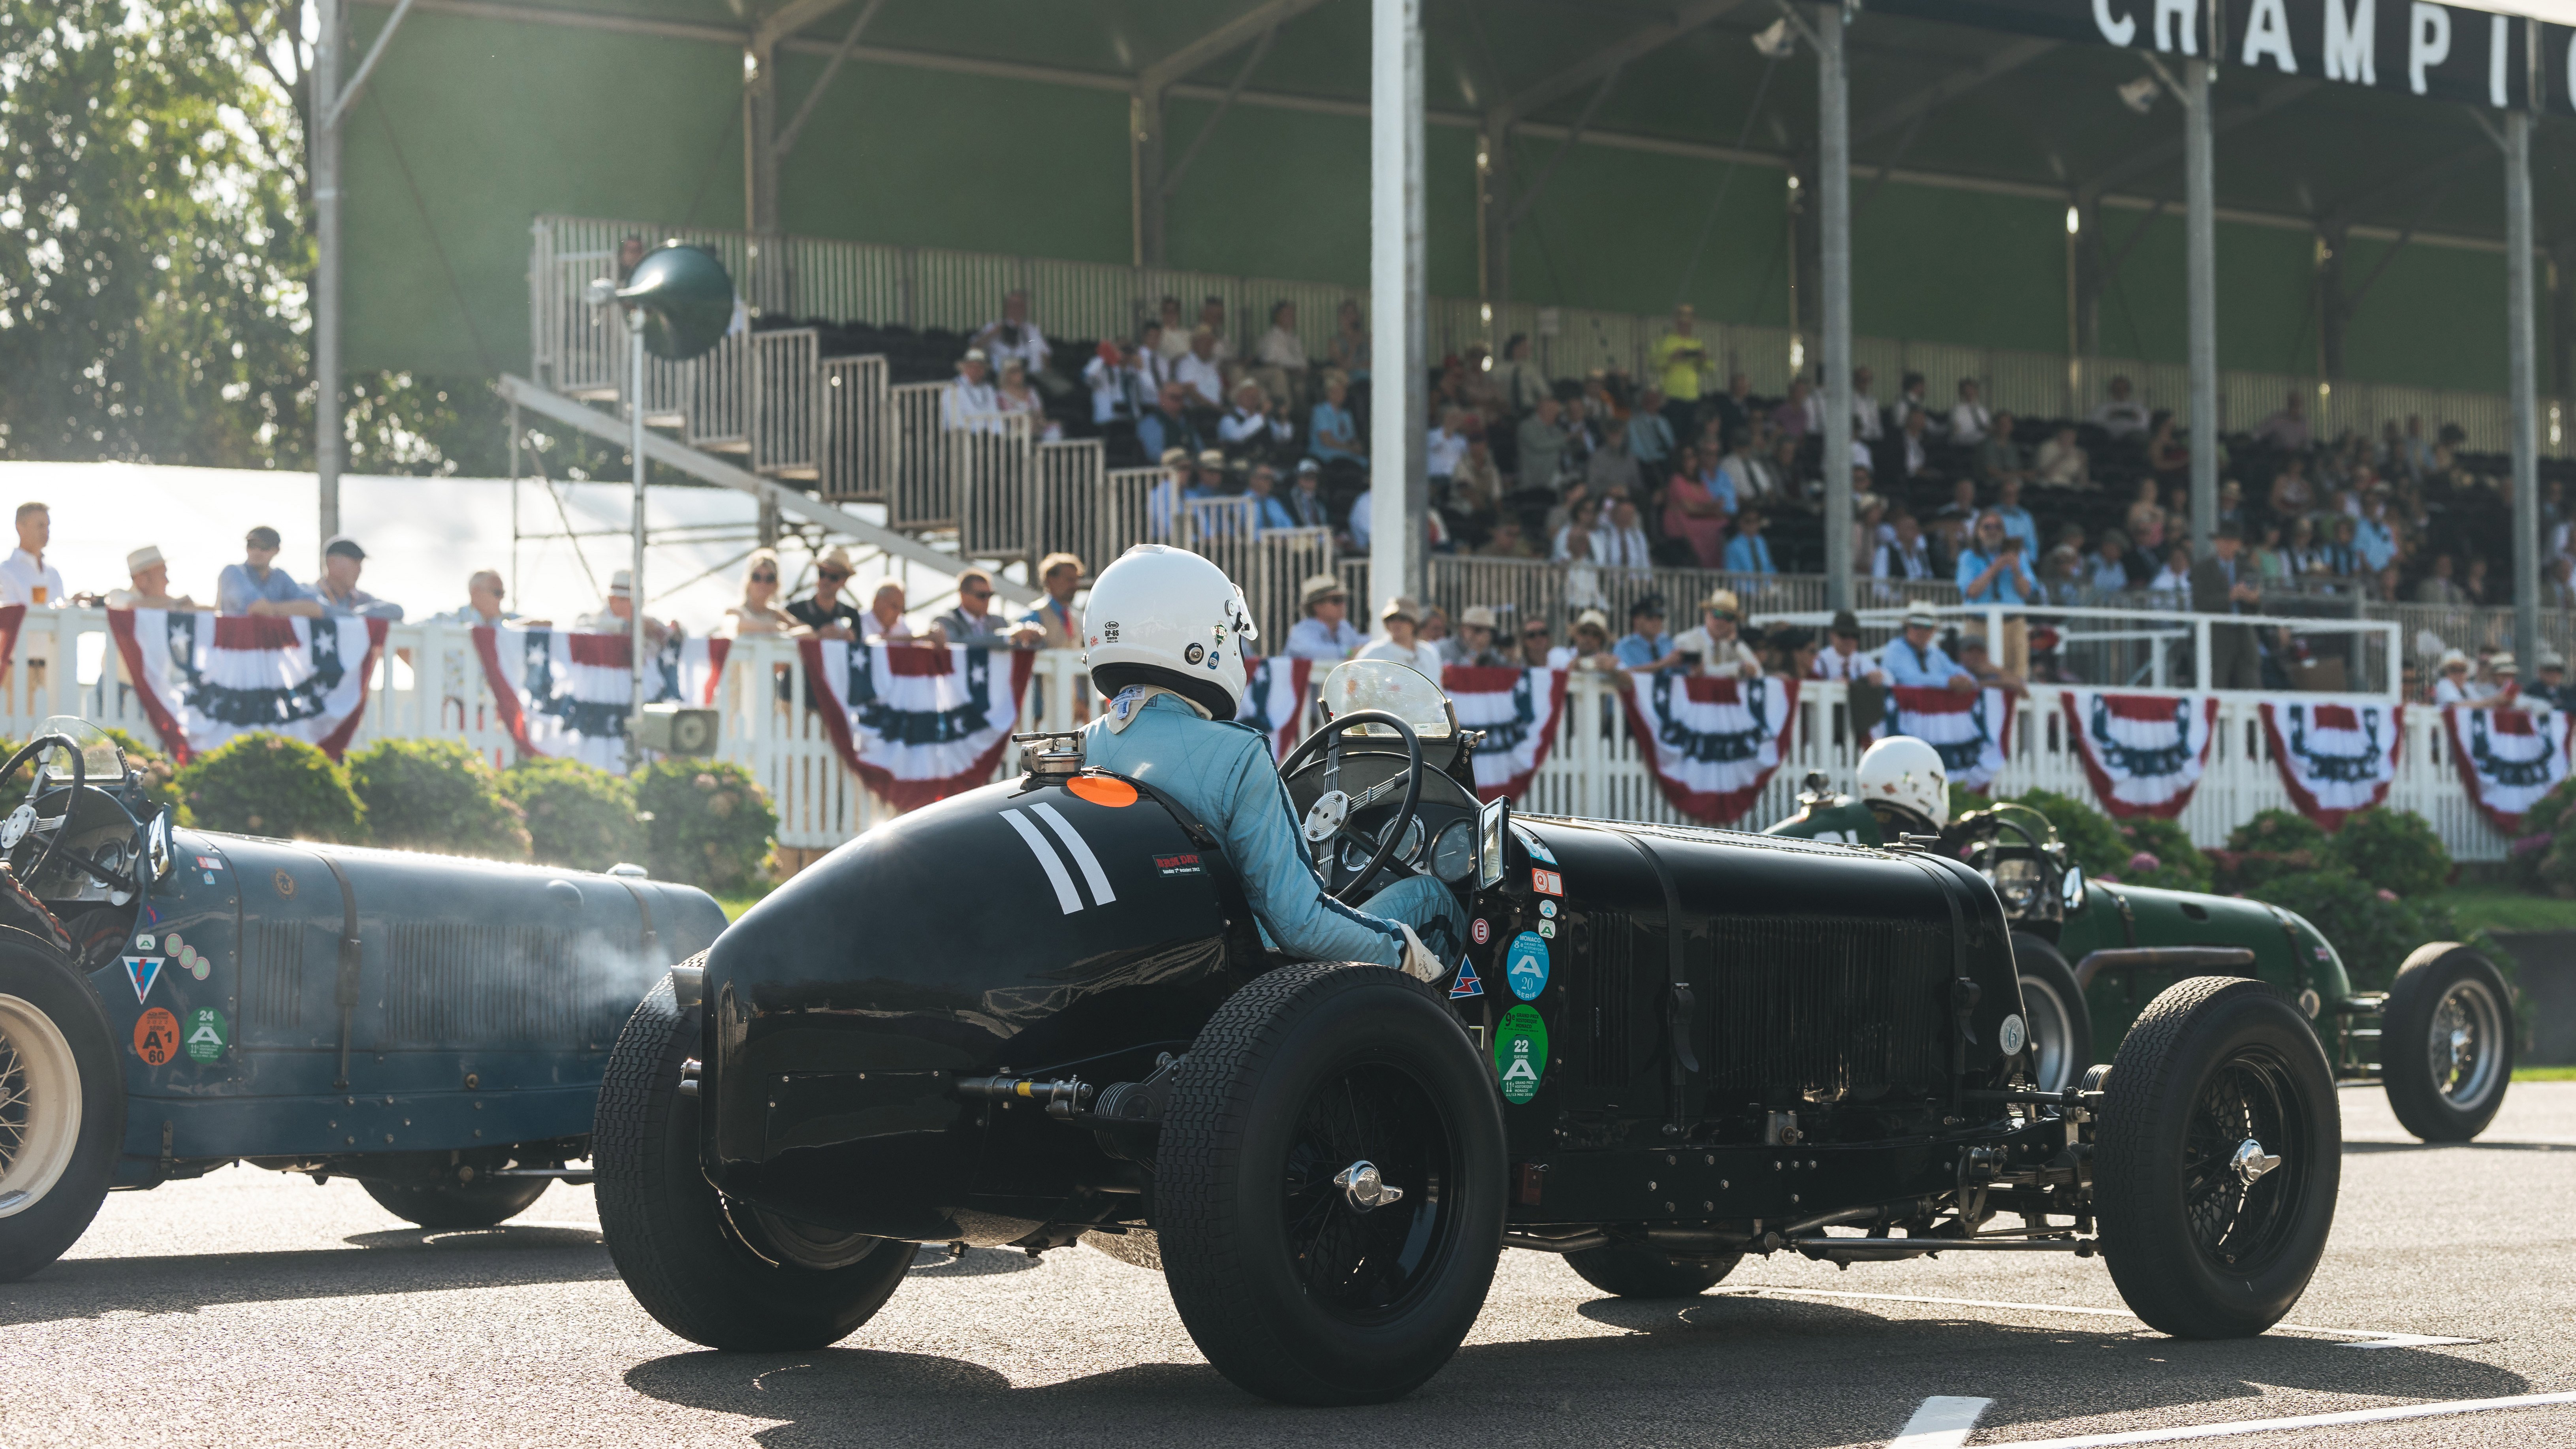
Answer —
1973 731
2336 755
1711 743
203 679
2144 753
2508 758
917 724
1274 700
566 695
1518 709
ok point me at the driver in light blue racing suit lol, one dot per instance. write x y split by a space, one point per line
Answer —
1164 635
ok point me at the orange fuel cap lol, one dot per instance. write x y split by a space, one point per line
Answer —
1103 790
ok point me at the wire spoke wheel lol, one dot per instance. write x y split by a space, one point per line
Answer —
2460 1049
1363 1264
40 1105
2241 1209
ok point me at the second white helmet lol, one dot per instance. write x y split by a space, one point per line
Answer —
1167 616
1907 773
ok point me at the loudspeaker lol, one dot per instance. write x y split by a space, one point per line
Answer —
678 730
686 298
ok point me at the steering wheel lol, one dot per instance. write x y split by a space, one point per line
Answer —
13 828
1330 817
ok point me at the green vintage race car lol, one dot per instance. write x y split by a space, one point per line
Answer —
2092 954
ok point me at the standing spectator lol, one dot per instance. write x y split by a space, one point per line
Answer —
1434 632
149 586
2145 520
257 586
2454 686
1175 331
2552 689
25 578
1611 469
1330 432
1574 543
1397 645
2287 429
1713 648
2108 572
1535 652
1117 390
884 622
1868 424
1542 446
1841 657
2373 536
483 607
1058 626
824 614
1518 379
2292 495
1913 661
1169 428
1749 552
338 592
1651 439
1201 372
1912 400
1587 645
2171 588
1279 358
2221 584
971 402
1268 512
1475 644
1621 543
1360 523
2301 555
1350 347
758 612
1729 410
1994 570
1999 459
1253 427
1016 398
2342 557
1681 369
2017 519
1212 319
1013 336
973 620
616 615
1325 634
1792 418
1694 514
1969 419
2121 415
2439 587
2062 461
1905 553
1645 641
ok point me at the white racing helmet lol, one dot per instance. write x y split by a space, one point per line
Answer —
1905 772
1168 616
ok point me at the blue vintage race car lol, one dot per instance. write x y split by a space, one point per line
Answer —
174 1000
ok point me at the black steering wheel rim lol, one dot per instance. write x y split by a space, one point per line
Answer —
80 779
1383 849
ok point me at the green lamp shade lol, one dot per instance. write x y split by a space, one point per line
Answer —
686 299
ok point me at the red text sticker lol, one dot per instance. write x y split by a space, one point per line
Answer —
1547 882
1481 931
156 1037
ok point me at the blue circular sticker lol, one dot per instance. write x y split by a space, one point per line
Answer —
1525 966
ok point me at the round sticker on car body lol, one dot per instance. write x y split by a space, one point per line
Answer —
1525 966
156 1036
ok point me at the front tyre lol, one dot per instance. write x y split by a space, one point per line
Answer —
714 1272
1329 1197
2216 1159
1633 1270
2446 1042
2061 1029
62 1106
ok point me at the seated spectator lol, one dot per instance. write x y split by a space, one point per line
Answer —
1360 524
1645 641
1610 469
1279 358
2287 429
1212 317
1201 372
1350 346
2301 554
1749 552
1713 648
971 403
1447 446
2292 495
1580 441
1868 420
1168 427
256 586
2062 462
25 577
1905 553
2166 453
616 615
1587 645
1016 398
1207 484
1268 512
150 584
1542 442
1992 567
1911 399
1330 432
1651 440
338 592
2454 686
2271 560
1913 661
1535 651
1506 541
1397 645
2343 556
2017 519
1573 543
1474 646
1999 459
1325 633
1620 541
2439 587
2171 588
2057 582
824 614
1912 455
1790 418
2145 521
1254 426
974 622
1118 387
1173 335
1012 337
2121 415
484 592
1305 501
1969 419
1058 626
2473 585
1434 628
1696 515
1476 489
2106 570
2373 535
1776 478
1980 666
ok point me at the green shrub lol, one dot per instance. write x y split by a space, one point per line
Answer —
2373 928
263 784
578 815
2394 850
708 823
2092 841
2178 864
2527 865
2274 843
440 796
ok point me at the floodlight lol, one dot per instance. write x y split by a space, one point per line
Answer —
1776 42
2139 95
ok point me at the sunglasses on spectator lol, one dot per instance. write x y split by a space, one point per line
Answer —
835 575
974 593
1534 633
764 578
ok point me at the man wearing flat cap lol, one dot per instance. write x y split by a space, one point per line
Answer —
338 591
1325 634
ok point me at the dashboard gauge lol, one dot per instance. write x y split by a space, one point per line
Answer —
1355 856
1453 855
2019 881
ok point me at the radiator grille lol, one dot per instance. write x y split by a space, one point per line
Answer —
1608 1000
273 962
454 983
1834 1009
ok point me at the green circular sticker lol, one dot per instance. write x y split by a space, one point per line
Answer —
204 1037
1520 1053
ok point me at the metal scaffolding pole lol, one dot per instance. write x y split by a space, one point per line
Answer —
1833 177
2521 306
2200 225
1399 393
322 140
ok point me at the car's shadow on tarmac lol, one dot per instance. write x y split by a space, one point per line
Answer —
2482 1145
1775 1371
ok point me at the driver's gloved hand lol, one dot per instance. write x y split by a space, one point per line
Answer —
1418 962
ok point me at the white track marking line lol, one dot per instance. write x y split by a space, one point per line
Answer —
1092 874
2303 1421
1942 1423
1045 853
2367 1337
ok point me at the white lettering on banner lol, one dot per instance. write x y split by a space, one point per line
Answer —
2508 758
2143 753
2168 11
2125 29
2351 40
2267 32
2336 756
2428 41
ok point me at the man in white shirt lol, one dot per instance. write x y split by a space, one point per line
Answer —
1904 554
1969 420
1111 375
483 607
2121 415
971 404
2455 686
1621 543
1841 658
25 578
1324 635
1447 446
1013 335
1201 370
1398 646
1867 425
1714 648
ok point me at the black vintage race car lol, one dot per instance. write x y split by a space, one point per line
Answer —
1041 1013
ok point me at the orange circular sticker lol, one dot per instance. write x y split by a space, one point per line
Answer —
1103 790
156 1037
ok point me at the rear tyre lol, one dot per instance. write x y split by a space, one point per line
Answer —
714 1272
62 1106
2446 1042
2216 1159
1302 1277
2052 1006
453 1206
1633 1270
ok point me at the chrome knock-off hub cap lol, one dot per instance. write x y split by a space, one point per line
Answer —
1363 1189
2251 1161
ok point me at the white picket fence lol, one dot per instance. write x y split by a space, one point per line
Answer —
431 684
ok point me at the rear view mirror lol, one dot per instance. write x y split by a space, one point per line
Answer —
156 848
1489 843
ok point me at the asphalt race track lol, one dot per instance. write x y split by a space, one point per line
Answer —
250 1308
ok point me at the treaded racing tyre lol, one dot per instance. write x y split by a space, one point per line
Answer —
62 1106
708 1270
2052 1006
453 1206
1291 1286
2216 1159
2446 1042
1633 1270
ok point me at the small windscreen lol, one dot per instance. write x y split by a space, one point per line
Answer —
101 760
1384 685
